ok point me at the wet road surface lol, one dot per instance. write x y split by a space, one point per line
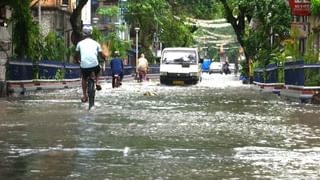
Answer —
218 129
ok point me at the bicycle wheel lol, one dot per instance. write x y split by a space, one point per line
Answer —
91 92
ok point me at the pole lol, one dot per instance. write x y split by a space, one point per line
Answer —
137 44
137 49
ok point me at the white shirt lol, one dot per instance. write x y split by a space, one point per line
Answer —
142 64
89 49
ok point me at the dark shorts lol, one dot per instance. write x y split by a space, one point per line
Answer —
86 72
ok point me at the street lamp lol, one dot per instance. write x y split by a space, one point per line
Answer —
137 38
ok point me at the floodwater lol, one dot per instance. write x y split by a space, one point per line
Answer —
218 129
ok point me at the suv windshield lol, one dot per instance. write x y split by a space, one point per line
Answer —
179 57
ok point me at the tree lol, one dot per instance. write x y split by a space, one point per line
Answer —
268 14
204 9
76 23
25 30
155 17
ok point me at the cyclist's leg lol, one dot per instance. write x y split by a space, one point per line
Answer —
113 80
85 75
121 76
145 75
96 73
84 90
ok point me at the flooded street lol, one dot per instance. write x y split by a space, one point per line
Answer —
218 129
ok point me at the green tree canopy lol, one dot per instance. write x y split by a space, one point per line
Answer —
156 17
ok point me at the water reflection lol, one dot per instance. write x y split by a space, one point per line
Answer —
218 129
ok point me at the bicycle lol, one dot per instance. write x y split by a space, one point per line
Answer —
91 89
117 81
142 76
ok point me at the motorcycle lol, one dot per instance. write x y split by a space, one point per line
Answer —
225 69
142 76
117 81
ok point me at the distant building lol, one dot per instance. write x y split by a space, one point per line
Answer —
108 24
306 23
54 15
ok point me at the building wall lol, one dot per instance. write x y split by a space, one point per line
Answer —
5 49
54 16
4 53
55 3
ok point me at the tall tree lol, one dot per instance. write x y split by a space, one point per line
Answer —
267 14
76 23
154 17
204 9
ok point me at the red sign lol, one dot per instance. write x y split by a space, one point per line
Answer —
300 7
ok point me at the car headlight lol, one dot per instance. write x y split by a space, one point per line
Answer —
163 73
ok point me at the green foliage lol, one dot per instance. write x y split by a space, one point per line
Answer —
233 54
274 19
110 11
35 72
291 46
24 32
116 44
156 16
176 34
205 9
60 74
54 47
97 35
312 77
270 14
315 7
245 68
280 74
311 54
37 45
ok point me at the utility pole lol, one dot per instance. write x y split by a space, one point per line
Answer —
137 44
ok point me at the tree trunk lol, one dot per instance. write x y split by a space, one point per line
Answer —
238 25
76 23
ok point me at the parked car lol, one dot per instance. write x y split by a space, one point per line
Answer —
232 67
206 65
215 67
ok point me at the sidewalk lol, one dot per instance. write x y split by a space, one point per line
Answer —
21 87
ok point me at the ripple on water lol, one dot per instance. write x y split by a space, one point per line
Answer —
207 131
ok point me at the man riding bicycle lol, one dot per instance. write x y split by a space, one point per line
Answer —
142 67
87 52
116 66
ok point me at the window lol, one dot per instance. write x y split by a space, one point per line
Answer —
65 2
177 57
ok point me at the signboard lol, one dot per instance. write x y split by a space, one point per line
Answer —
300 7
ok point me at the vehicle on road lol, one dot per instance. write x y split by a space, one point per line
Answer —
225 68
215 67
206 65
232 67
117 81
180 66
